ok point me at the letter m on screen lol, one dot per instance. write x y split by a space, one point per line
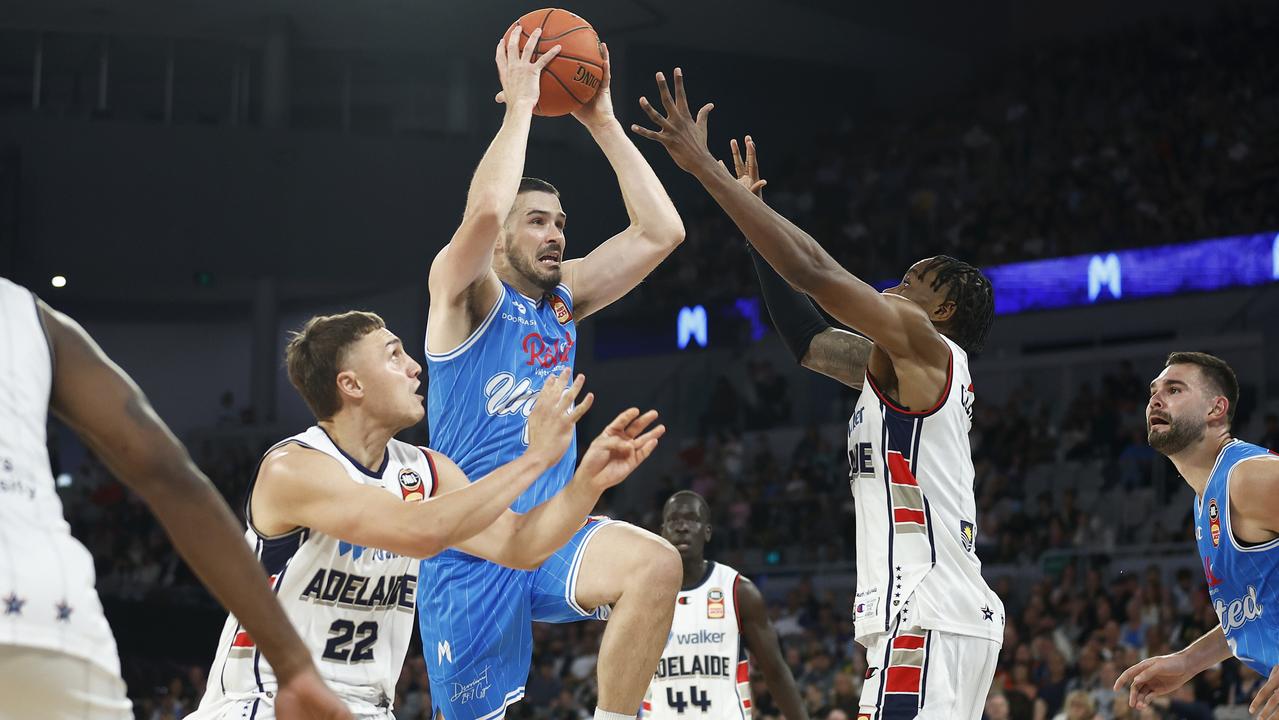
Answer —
691 326
1104 272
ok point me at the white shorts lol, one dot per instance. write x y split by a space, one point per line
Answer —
39 683
917 674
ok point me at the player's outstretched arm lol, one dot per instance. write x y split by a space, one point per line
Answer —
619 264
106 409
835 353
761 640
300 487
524 541
1163 674
468 257
897 325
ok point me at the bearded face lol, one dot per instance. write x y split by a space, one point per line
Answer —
1169 434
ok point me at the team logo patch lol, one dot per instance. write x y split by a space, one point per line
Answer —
411 485
1214 522
715 604
967 534
562 313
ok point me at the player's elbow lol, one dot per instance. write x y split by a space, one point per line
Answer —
667 233
427 542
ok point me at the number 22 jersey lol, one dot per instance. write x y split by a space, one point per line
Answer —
352 605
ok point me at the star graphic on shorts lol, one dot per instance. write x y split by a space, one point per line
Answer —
988 613
13 604
64 611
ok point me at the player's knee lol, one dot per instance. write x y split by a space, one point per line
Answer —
663 569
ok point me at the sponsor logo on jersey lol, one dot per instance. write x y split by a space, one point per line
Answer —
683 600
474 690
562 313
967 397
1238 612
519 320
519 306
715 603
967 534
1213 580
547 352
1214 522
443 651
701 637
410 485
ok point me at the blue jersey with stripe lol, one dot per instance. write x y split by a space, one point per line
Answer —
480 394
1243 580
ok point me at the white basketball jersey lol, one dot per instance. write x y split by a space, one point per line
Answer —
352 605
47 595
912 479
703 672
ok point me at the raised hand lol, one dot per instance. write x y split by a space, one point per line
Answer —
620 449
1153 677
1265 706
599 111
747 169
683 136
550 424
304 697
520 74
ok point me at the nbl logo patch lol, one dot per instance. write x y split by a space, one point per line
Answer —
1214 522
562 313
715 604
411 485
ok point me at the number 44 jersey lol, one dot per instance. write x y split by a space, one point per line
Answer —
703 673
352 606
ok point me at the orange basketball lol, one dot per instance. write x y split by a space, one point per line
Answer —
573 77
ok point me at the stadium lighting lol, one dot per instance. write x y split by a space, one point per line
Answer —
58 281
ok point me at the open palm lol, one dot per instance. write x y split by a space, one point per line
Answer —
620 449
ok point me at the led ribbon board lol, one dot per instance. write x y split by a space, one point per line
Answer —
1084 280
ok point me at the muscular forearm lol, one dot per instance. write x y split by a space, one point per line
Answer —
1207 651
211 540
462 513
549 526
647 203
795 255
497 178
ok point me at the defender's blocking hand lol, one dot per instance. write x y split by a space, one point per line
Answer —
683 136
620 449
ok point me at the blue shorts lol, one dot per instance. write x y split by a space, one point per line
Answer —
476 623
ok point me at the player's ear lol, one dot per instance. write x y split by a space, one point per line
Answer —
1220 408
945 311
349 384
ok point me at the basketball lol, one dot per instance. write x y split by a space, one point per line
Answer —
573 77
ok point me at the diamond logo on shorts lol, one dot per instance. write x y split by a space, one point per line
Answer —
474 690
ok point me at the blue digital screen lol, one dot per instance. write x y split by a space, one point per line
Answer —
1100 278
1077 281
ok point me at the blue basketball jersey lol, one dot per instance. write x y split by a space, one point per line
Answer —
1243 580
480 394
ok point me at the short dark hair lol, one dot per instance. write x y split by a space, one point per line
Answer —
315 353
532 184
706 507
974 299
1217 372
